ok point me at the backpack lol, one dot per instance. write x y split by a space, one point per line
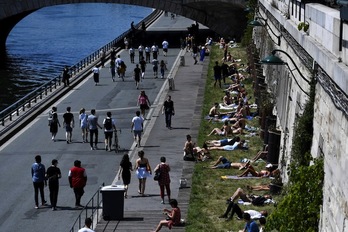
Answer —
258 201
108 124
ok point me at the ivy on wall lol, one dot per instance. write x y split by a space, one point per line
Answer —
299 210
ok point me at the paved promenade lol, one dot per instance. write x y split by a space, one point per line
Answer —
141 213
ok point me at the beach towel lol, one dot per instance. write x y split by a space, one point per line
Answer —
238 178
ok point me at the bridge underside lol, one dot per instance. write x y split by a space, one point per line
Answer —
227 19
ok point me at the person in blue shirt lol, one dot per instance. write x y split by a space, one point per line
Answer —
250 226
38 172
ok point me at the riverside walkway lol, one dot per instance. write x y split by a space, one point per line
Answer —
120 97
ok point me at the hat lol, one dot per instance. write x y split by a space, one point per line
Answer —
269 165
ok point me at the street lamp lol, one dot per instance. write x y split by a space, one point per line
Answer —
256 23
275 60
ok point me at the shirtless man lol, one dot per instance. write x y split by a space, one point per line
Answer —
263 173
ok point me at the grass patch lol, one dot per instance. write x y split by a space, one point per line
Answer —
209 191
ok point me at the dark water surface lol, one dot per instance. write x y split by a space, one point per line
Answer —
46 40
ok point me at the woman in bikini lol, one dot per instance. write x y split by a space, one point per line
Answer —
143 170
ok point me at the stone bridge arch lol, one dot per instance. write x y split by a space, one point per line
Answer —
225 17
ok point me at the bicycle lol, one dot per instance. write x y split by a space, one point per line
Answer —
116 145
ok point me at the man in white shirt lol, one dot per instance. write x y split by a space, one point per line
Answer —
87 227
137 127
154 50
165 47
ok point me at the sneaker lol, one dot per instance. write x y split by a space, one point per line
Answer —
92 148
54 208
36 207
106 147
162 202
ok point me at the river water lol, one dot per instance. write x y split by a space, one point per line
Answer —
45 41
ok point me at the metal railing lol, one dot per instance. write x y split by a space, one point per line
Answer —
25 104
91 210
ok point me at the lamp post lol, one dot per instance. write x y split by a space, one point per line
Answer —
275 60
256 23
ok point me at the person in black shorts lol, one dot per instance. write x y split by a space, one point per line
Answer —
68 124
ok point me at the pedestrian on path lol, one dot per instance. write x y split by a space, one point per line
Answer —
136 75
122 70
137 128
154 50
95 71
125 172
113 70
164 178
53 175
109 128
142 67
195 53
83 125
50 114
165 45
102 58
118 65
54 126
163 68
143 170
77 180
38 172
168 111
92 122
155 68
143 102
147 54
131 54
87 227
141 52
68 124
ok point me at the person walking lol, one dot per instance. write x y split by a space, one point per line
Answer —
53 175
136 75
83 124
143 102
163 67
92 122
87 227
147 54
122 70
118 65
102 58
131 54
142 67
38 171
155 68
68 124
195 53
77 180
143 170
50 114
54 126
154 50
168 110
125 172
164 178
109 128
165 45
137 127
113 70
95 71
141 52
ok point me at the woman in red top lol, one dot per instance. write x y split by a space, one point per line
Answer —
173 216
164 179
143 102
